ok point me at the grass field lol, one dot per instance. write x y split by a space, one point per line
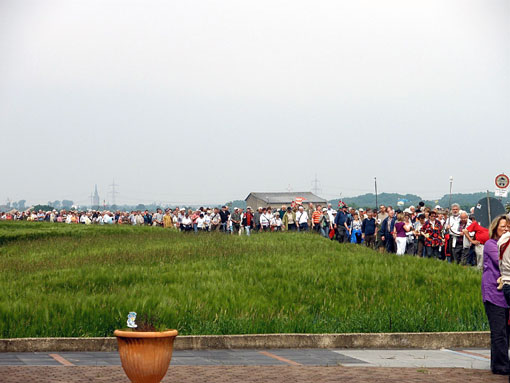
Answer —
76 280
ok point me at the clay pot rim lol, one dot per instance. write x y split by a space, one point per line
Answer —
148 334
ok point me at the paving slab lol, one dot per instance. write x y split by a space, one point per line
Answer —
419 358
249 374
457 358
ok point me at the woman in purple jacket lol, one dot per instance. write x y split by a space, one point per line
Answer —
494 301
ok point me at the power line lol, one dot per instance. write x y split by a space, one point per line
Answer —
316 186
113 191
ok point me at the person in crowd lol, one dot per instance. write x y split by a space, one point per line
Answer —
248 221
432 231
496 306
316 217
201 227
355 229
215 220
276 222
400 230
451 225
464 222
147 217
282 211
236 221
382 214
410 248
186 223
302 219
387 227
157 218
289 220
325 223
477 236
168 221
309 212
341 224
369 229
256 219
265 219
419 238
224 215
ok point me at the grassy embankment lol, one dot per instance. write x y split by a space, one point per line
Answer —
75 280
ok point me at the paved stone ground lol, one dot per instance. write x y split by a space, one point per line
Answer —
248 374
275 366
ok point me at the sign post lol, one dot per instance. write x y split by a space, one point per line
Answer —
502 182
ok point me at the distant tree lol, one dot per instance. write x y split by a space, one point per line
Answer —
21 204
140 206
236 203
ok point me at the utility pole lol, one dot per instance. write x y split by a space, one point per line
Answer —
113 191
376 204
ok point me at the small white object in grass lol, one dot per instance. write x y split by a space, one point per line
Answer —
131 320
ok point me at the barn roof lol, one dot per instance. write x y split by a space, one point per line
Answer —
287 197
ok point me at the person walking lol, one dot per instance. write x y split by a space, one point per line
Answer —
496 307
400 230
369 229
481 235
248 221
355 229
325 223
387 226
289 220
236 221
431 231
302 219
341 227
316 217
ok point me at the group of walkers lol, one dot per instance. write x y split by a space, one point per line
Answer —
443 234
421 231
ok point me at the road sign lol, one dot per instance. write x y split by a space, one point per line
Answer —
501 193
502 181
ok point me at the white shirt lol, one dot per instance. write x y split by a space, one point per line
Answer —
453 221
264 220
200 223
302 217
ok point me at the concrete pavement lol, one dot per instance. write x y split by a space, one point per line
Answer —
445 358
271 365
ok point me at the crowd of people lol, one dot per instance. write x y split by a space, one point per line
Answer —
450 234
453 235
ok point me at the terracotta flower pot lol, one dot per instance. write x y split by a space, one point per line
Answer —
145 356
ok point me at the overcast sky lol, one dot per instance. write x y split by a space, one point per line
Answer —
206 101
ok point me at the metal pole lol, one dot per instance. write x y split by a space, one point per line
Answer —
450 201
376 204
489 207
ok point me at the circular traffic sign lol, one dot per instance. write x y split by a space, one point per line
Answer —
502 181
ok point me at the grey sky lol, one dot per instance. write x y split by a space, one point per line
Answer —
205 101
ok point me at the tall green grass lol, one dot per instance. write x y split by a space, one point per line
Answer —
76 280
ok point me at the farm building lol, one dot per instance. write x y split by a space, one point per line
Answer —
276 200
